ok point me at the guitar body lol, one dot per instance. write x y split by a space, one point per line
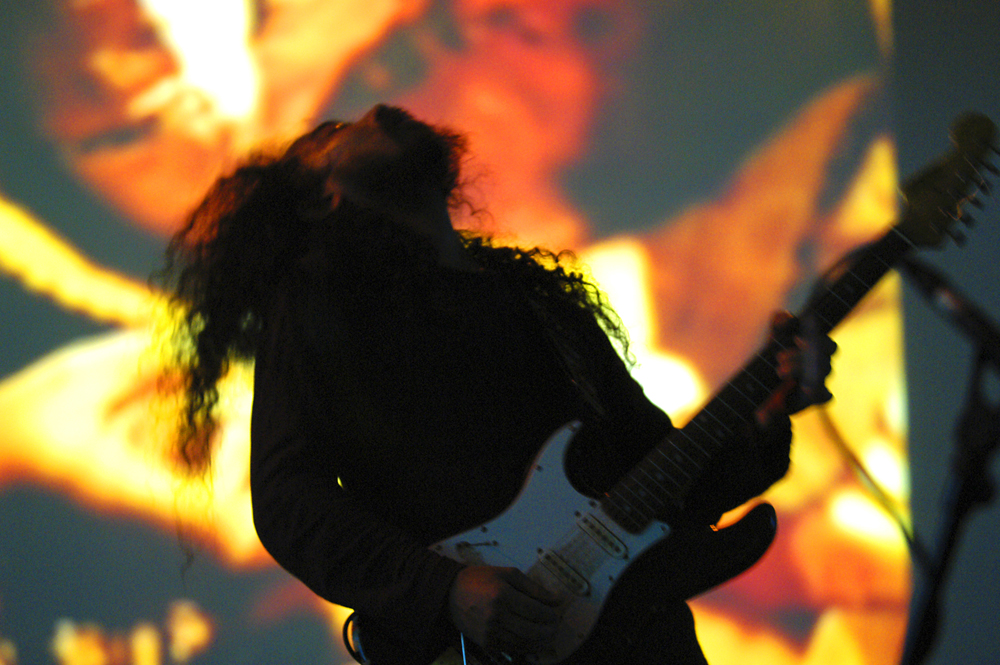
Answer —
563 540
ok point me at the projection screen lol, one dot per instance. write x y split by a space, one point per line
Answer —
708 159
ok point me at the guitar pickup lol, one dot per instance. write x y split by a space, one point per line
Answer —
576 583
603 536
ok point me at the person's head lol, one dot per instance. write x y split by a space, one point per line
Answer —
386 161
369 196
385 180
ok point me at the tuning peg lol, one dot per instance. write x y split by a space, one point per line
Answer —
967 219
956 235
992 169
973 128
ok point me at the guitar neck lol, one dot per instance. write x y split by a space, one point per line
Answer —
659 484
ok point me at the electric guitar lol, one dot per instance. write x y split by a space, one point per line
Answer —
582 547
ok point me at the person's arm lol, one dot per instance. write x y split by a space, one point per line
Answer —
306 521
345 553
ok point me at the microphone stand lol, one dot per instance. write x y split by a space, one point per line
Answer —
969 488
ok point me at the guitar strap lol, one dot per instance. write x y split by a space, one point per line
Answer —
561 341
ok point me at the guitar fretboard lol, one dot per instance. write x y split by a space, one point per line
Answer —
659 484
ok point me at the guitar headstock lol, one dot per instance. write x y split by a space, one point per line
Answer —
934 198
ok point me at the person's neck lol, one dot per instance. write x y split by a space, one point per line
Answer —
453 254
435 222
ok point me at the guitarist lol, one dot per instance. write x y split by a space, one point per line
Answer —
406 376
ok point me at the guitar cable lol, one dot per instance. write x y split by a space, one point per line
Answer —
879 495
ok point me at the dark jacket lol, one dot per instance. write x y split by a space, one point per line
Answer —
381 426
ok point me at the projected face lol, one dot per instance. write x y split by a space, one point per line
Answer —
113 97
166 95
96 68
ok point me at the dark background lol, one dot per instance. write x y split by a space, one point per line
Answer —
947 62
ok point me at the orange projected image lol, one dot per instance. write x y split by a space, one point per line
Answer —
708 162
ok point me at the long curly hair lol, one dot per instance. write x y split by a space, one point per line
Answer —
256 224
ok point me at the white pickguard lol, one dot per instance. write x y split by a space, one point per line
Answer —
560 538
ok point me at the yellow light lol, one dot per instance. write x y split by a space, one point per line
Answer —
622 270
8 653
190 631
855 513
79 645
145 645
48 265
671 383
887 466
211 39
